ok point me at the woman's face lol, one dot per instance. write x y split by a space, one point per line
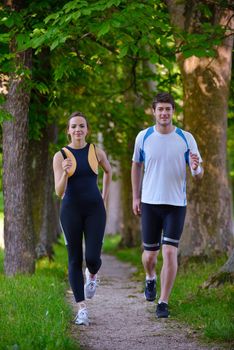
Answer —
77 129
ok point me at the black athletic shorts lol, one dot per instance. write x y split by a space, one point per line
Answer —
158 218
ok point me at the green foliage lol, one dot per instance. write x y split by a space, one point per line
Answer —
208 312
4 115
99 63
99 51
34 314
138 24
98 55
17 28
4 38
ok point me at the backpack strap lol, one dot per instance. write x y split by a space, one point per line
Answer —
186 154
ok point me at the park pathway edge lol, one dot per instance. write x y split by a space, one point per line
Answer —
120 318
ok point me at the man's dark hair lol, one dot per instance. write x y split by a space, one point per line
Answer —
164 97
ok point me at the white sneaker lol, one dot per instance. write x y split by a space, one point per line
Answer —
90 285
82 317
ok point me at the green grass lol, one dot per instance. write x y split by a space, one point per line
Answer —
33 310
209 312
110 246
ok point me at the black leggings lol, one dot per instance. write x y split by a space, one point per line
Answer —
77 222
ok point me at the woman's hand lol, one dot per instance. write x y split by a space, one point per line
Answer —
66 165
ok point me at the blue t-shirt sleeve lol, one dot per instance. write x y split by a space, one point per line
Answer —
137 148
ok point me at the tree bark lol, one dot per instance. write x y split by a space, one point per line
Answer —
225 274
44 208
42 134
50 229
114 222
208 227
131 225
18 229
38 154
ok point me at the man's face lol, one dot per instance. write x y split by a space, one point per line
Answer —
163 113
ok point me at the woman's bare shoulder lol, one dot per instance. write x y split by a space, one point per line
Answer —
58 157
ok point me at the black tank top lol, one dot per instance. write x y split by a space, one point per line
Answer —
82 185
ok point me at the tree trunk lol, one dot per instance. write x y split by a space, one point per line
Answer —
114 222
37 165
44 208
42 133
208 227
50 229
18 229
131 225
225 274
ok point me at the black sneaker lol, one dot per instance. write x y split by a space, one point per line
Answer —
150 290
162 310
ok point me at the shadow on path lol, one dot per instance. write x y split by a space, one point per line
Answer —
121 319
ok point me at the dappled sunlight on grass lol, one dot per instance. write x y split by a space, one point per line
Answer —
57 265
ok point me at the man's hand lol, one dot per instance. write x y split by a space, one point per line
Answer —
194 160
196 168
136 206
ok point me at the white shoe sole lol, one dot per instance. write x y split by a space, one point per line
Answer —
82 323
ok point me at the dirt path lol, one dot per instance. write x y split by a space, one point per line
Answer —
122 320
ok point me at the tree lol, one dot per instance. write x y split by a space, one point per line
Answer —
22 211
42 132
225 274
18 229
208 228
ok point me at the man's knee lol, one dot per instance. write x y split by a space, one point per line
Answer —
149 257
169 252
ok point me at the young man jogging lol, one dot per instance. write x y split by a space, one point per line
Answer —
163 151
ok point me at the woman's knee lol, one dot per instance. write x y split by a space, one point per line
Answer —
75 262
93 264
